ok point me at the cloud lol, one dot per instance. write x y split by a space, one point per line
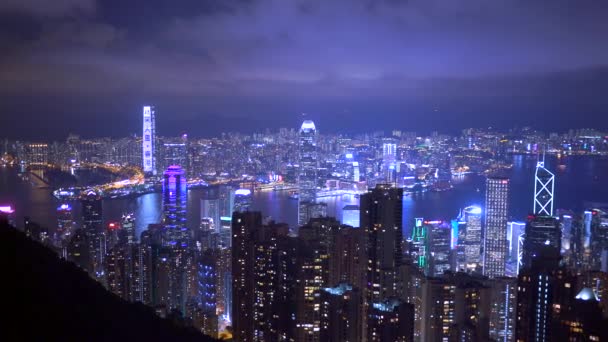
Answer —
46 8
245 53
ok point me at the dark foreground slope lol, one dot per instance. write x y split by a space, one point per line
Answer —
47 299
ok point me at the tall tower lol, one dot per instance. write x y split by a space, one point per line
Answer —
175 196
148 141
472 238
381 219
244 227
495 239
93 230
544 184
307 176
389 159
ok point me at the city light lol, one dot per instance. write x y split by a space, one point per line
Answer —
6 209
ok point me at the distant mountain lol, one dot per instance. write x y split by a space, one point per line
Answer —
49 299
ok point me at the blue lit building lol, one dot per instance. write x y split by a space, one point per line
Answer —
351 215
207 292
175 196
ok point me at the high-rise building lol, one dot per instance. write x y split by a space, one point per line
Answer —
264 273
210 206
351 215
472 238
128 227
503 305
242 200
37 154
93 229
538 287
65 227
418 245
307 175
174 151
438 309
381 220
149 140
77 250
541 231
389 161
175 196
340 313
495 238
390 320
244 226
207 292
439 239
456 307
544 184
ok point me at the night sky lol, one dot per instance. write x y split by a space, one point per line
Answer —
87 66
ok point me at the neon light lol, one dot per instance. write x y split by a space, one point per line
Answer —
433 222
64 207
7 209
149 135
308 125
473 210
349 156
243 192
544 186
225 218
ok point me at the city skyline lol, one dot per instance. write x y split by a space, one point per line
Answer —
305 170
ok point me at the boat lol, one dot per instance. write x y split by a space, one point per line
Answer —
294 195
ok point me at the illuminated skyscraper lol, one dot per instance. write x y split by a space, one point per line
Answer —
419 245
389 161
93 229
37 154
175 152
65 228
351 215
128 227
541 231
340 313
495 239
244 226
472 238
307 175
440 237
242 201
503 313
175 196
544 184
148 141
381 219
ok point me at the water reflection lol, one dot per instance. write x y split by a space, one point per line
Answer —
582 179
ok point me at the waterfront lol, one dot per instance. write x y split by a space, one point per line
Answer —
580 180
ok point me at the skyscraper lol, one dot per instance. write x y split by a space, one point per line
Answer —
381 219
148 141
351 215
244 226
174 152
389 160
92 227
472 238
537 285
544 184
541 231
495 239
440 236
307 175
340 313
175 196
